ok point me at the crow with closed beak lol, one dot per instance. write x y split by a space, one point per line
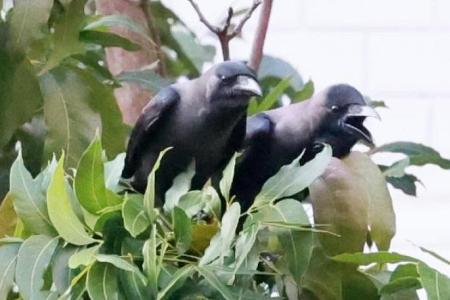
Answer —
203 119
276 137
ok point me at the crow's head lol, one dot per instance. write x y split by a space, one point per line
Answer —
345 112
232 83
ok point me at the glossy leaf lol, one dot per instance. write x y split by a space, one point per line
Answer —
176 281
150 195
183 229
132 286
133 214
29 203
381 257
113 170
89 180
62 273
305 93
147 79
418 154
108 39
84 257
381 210
64 39
8 217
28 22
20 96
215 282
436 284
8 253
101 282
181 185
150 265
293 178
273 96
33 259
61 211
120 263
340 200
227 177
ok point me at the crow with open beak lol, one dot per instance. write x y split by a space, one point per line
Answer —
276 137
203 119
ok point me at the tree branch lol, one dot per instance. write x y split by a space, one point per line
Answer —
260 37
223 34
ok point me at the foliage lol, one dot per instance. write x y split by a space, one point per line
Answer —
82 238
84 235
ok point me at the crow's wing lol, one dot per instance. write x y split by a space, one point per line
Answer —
259 127
148 122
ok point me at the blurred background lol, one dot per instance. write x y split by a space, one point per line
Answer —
396 51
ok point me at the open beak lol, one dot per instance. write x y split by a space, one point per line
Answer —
354 119
247 85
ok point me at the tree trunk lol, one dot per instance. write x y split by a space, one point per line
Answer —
130 97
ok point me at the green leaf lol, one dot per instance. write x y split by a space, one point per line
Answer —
148 79
70 121
65 38
227 177
194 51
341 201
405 270
397 169
418 154
181 185
436 284
406 183
305 93
61 211
8 253
104 23
28 22
121 263
295 245
177 280
113 170
32 261
149 195
132 286
84 257
293 178
381 257
404 283
150 265
89 179
133 214
8 217
215 282
108 39
20 96
381 210
29 203
101 282
62 273
435 255
228 227
276 67
272 97
244 245
182 228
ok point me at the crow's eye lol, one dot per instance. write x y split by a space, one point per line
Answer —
335 108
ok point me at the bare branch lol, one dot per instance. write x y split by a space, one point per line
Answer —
202 17
260 37
238 29
223 33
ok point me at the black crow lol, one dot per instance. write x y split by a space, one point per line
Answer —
202 119
276 137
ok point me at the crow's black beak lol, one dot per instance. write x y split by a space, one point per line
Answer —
354 119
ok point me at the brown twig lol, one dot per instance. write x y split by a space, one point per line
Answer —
260 37
224 34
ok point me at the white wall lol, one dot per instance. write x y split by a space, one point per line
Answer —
397 51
